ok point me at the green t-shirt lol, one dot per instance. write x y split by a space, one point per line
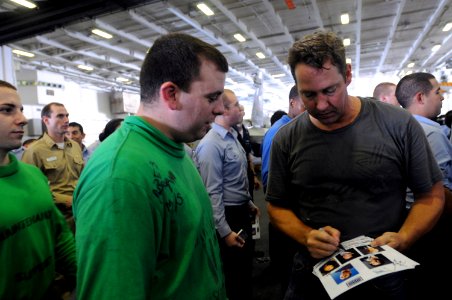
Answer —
144 221
34 237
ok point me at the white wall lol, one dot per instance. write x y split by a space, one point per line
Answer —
90 108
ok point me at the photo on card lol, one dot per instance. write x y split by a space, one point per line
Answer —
369 249
375 261
347 255
344 273
329 266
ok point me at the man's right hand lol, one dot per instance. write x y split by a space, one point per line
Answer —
323 242
234 240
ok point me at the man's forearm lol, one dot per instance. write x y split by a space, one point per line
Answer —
286 221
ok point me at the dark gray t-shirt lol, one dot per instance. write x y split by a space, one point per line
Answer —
353 178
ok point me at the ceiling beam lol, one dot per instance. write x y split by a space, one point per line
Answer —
270 8
146 23
101 58
317 16
77 35
242 26
359 7
438 61
433 18
122 33
211 35
388 45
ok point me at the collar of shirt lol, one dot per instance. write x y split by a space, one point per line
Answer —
426 121
223 132
51 143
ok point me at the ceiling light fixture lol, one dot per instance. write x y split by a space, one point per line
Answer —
436 48
101 33
27 4
229 80
23 53
348 60
239 37
346 42
345 19
86 68
122 79
410 65
205 9
260 55
447 27
279 75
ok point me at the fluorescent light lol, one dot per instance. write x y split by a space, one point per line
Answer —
447 27
260 55
345 19
278 75
101 33
27 4
436 48
23 53
346 42
86 68
410 65
348 60
122 79
409 72
205 9
239 37
229 80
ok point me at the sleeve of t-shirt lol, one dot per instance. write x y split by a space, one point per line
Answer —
278 177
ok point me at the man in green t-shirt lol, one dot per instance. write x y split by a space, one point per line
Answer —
35 240
144 221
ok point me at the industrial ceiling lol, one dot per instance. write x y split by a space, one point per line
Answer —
385 35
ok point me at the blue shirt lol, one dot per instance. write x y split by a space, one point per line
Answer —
86 153
441 147
221 161
267 144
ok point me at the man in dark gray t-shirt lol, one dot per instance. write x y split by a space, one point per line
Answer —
341 171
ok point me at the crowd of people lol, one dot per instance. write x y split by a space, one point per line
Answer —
138 218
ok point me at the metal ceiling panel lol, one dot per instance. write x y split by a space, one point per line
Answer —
385 35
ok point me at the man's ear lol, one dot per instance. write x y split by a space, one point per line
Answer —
45 120
348 74
419 97
170 94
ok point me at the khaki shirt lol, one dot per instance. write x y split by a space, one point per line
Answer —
61 166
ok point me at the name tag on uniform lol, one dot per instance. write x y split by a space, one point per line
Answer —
52 158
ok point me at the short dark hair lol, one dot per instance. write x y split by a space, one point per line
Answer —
276 116
293 92
75 124
176 57
7 85
110 127
315 49
411 84
47 110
